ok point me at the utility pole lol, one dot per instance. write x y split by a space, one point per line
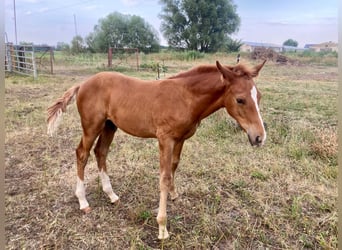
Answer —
76 38
15 24
75 25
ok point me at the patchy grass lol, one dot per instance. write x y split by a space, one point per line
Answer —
232 196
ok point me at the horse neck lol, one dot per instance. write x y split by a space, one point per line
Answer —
207 93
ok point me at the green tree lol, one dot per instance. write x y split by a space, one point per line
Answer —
62 46
122 31
201 25
77 45
233 45
290 42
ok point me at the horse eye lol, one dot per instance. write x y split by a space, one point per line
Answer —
240 101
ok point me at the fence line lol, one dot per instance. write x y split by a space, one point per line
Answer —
123 56
21 59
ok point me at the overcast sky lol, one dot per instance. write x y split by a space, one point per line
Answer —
271 21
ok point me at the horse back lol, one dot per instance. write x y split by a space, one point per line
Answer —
138 107
126 101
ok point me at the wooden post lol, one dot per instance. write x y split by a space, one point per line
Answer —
51 60
110 57
137 56
158 70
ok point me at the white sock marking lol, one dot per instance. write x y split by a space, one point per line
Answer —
255 99
107 187
80 193
163 233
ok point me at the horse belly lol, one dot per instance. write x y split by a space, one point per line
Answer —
135 125
137 131
191 132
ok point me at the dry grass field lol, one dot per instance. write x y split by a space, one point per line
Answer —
232 196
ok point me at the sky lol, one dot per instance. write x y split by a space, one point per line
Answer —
268 21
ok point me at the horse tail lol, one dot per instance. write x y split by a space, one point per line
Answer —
55 111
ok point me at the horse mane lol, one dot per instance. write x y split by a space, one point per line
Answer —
242 69
199 84
239 70
195 71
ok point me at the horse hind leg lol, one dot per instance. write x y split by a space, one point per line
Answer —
82 153
91 130
101 152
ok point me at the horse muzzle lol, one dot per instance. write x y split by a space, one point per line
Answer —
257 140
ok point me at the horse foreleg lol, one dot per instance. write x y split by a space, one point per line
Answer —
175 160
101 152
165 150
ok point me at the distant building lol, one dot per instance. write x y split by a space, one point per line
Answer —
307 46
327 46
292 49
251 46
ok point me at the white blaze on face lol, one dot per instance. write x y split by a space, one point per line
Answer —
254 94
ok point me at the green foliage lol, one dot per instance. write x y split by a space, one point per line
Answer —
319 56
77 45
62 46
178 55
154 66
324 58
233 45
258 175
145 215
314 54
191 55
201 25
290 42
120 31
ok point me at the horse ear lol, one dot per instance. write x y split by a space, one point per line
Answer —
257 68
226 73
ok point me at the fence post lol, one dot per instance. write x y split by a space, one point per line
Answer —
137 57
17 65
12 57
9 57
51 60
110 57
34 65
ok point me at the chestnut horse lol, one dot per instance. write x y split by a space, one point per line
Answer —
169 110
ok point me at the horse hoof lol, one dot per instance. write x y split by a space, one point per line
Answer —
173 198
116 200
86 210
163 236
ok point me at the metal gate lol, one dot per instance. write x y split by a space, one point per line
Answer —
20 59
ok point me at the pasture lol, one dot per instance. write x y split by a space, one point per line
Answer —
232 196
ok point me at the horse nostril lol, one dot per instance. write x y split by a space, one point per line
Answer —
258 140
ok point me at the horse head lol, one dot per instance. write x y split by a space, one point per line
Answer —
242 99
